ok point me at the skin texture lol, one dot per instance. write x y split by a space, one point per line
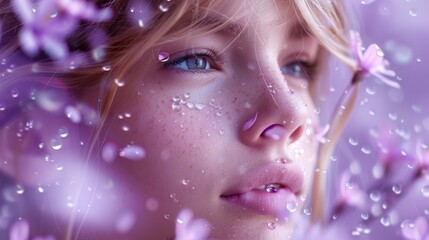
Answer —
193 156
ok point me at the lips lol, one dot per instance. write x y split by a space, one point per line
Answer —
270 190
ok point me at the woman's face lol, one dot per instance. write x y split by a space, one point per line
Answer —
225 126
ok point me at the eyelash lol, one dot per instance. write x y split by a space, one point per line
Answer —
308 70
209 56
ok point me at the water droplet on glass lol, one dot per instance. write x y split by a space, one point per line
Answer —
119 82
366 2
370 91
364 216
14 93
163 56
385 221
140 23
106 68
397 189
19 189
353 141
63 132
375 196
271 225
307 211
163 7
412 12
56 144
366 150
425 191
393 116
133 152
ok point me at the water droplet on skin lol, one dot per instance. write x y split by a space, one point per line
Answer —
106 68
364 216
292 207
125 128
187 95
119 82
418 60
56 144
176 106
425 191
190 105
133 152
199 106
397 189
40 189
271 225
163 56
167 216
413 12
185 182
393 116
2 107
73 114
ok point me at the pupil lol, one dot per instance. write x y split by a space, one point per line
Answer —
197 63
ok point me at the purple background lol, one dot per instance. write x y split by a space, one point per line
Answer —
401 29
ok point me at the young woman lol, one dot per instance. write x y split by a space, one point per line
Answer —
200 105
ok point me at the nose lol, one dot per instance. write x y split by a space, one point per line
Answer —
279 115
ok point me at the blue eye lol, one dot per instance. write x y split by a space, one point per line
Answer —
298 69
192 62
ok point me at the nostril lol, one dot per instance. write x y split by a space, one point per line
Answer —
275 131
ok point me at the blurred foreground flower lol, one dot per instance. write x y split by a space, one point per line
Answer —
372 61
191 229
48 25
20 230
417 230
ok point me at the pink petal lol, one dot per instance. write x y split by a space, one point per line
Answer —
20 230
372 58
356 43
385 80
422 227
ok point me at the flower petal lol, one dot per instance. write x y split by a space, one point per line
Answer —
385 80
54 47
23 10
20 230
373 57
30 43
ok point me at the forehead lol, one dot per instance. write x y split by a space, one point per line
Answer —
236 17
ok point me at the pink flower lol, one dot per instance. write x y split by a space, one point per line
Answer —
372 61
191 229
350 195
48 24
417 230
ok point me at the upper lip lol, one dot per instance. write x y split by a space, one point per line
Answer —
289 177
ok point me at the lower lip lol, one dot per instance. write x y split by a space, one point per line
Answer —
266 203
